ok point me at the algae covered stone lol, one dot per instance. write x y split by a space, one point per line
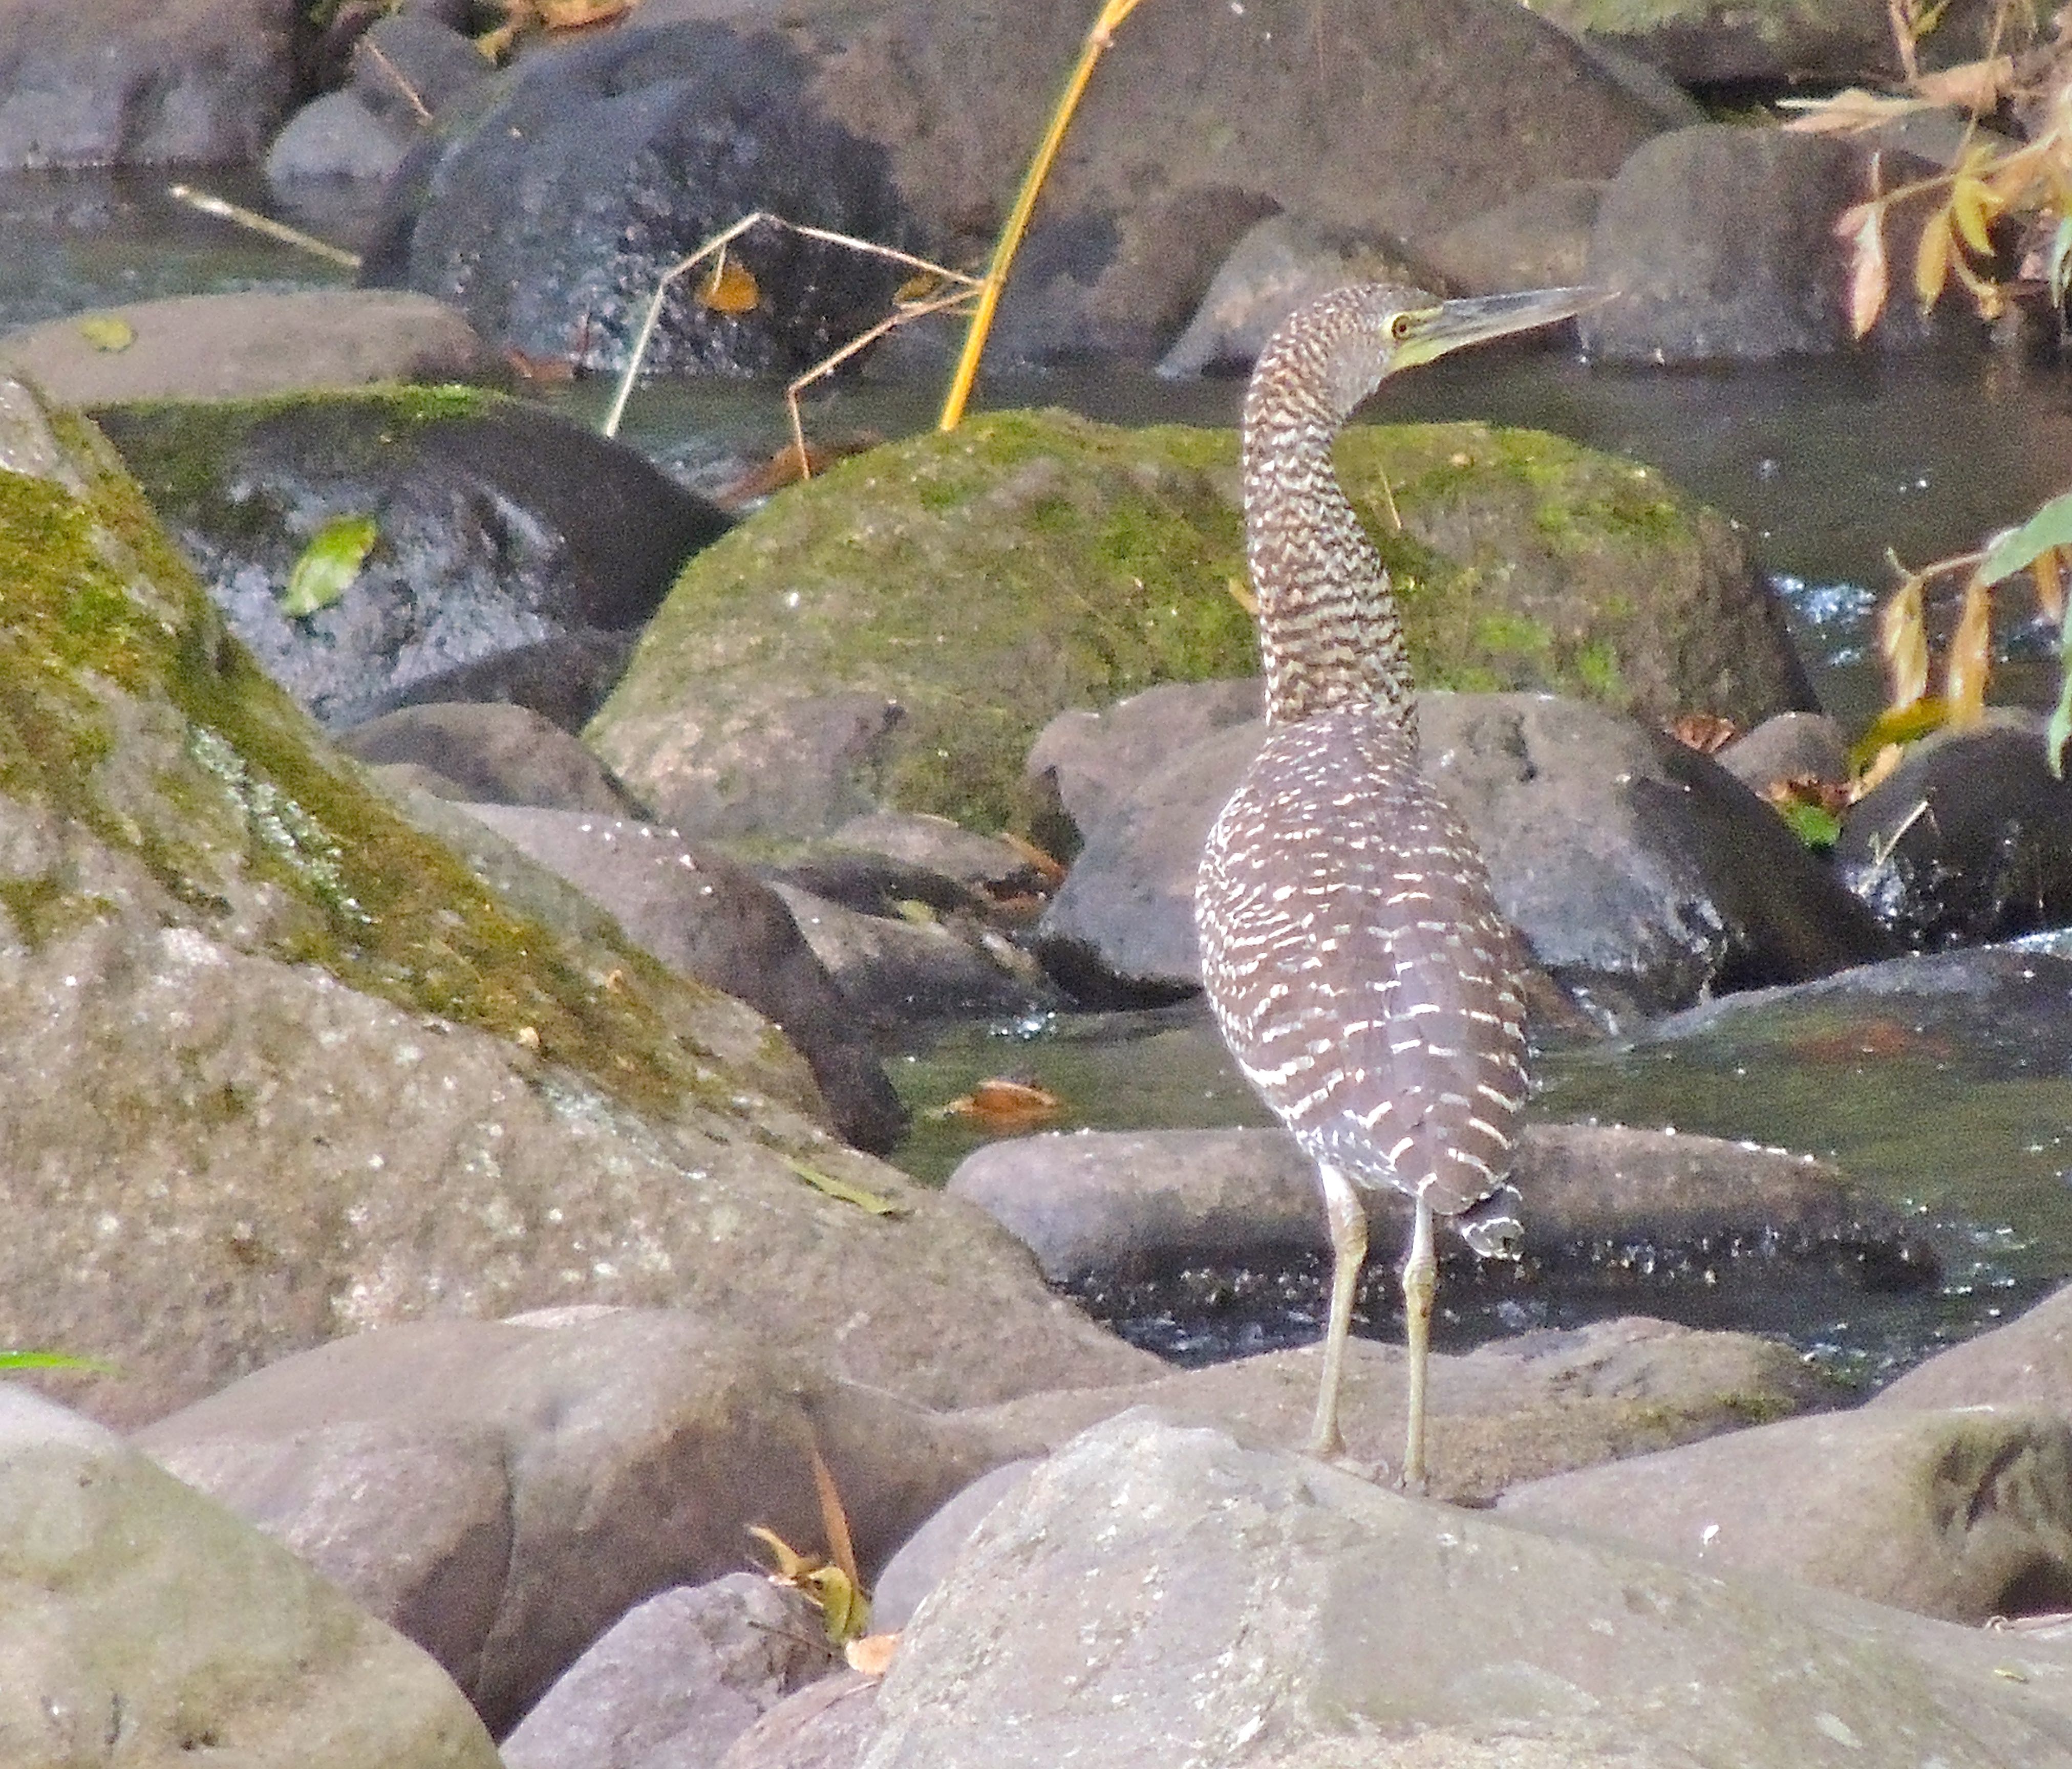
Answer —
898 630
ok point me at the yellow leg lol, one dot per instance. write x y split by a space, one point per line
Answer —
1347 1215
1421 1283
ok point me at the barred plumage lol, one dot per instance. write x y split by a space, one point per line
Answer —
1353 954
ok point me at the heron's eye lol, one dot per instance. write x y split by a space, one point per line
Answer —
1399 328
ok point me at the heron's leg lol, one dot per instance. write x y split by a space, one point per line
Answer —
1347 1215
1421 1283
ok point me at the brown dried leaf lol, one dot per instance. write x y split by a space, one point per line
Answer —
1869 278
873 1654
1707 733
1971 657
1000 1104
834 1519
1903 640
1970 85
2049 569
1931 261
1048 867
1882 767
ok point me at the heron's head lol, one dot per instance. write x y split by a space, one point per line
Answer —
1400 328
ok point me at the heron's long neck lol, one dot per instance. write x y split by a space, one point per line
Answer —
1329 635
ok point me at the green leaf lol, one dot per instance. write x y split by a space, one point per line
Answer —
104 331
2060 720
2018 548
863 1199
49 1360
1813 825
328 565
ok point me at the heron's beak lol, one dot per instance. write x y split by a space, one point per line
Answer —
1453 324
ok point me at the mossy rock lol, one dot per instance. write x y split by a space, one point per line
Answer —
135 728
898 630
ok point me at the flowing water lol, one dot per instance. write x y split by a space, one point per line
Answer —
1958 1117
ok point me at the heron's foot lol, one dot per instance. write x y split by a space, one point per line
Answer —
1378 1474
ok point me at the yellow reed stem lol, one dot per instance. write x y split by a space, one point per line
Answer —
1102 33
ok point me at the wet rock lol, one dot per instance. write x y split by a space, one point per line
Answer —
498 527
1516 1410
1790 746
247 345
408 62
1539 241
703 915
1721 242
986 864
504 1492
275 1066
200 81
675 1680
1279 265
550 212
892 632
2028 1362
1969 840
827 1725
896 972
336 136
141 1623
1157 1594
491 754
1706 44
1960 1515
1639 872
565 678
1096 1205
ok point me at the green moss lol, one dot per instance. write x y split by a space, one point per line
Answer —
93 593
1598 666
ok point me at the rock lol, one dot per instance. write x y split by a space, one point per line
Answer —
1086 765
675 1681
2028 1362
1281 264
408 63
1639 872
925 1555
895 972
1514 1409
1358 120
549 212
1720 241
504 1493
1709 45
199 81
252 345
935 844
704 916
565 678
336 136
499 526
929 643
1540 239
1961 1514
1969 840
142 1623
275 1066
1159 1595
1790 746
1089 1204
492 755
827 1725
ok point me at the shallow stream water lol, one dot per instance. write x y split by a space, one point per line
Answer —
1964 1120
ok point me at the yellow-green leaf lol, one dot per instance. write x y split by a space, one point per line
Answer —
1814 825
1970 657
864 1200
1896 726
105 331
1970 203
1931 260
328 565
1902 637
50 1360
2050 527
844 1608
